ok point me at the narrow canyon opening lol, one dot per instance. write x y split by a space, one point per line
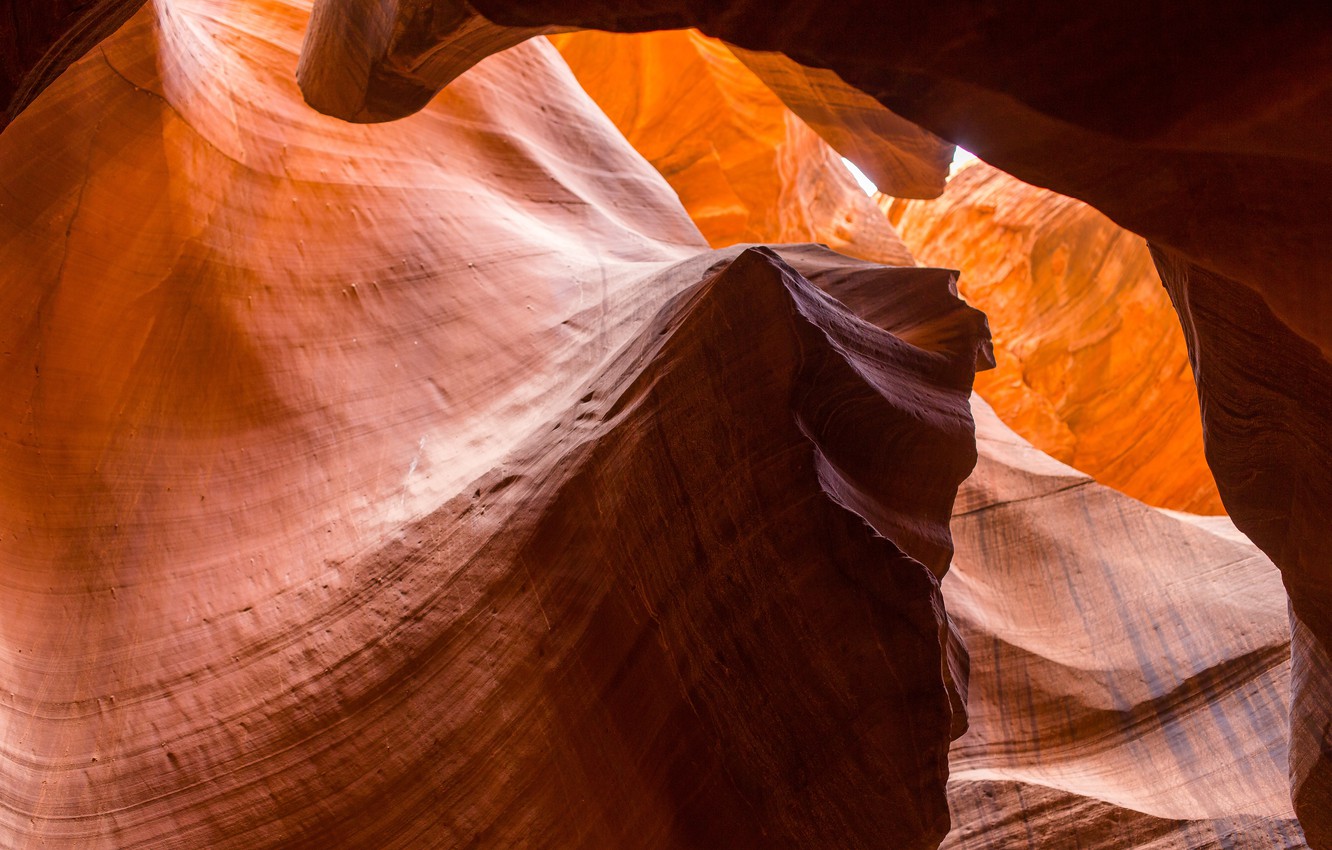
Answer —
510 423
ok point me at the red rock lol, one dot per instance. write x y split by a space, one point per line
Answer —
431 484
1197 138
747 169
1194 126
1089 340
1130 667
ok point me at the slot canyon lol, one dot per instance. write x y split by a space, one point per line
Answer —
512 424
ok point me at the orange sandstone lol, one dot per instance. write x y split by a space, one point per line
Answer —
433 484
1130 668
1092 366
745 166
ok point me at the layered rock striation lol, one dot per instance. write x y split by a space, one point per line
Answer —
432 484
746 168
1092 366
1130 667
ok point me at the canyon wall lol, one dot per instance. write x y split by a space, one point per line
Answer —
1197 139
1092 365
432 484
216 420
746 168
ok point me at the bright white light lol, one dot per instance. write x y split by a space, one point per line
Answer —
961 158
865 183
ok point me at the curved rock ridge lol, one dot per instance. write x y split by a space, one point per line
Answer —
1130 667
687 618
1196 138
1093 368
39 39
746 168
368 62
900 157
1281 487
423 484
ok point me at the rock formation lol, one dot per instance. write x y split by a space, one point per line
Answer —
1130 668
334 462
899 157
1092 366
1196 137
432 484
746 168
370 63
40 38
1267 441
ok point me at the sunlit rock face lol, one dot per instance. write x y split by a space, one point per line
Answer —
335 459
1130 668
898 155
1196 138
1092 365
746 168
433 485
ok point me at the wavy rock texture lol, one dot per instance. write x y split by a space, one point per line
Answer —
39 39
378 62
746 168
1093 369
1197 138
1130 667
323 517
899 157
1282 485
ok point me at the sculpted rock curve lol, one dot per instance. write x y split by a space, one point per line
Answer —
1092 367
746 168
323 480
1130 667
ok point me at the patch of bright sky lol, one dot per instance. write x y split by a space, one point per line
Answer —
960 158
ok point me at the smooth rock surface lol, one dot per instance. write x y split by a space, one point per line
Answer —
746 167
1196 126
1092 365
40 38
1130 668
432 485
